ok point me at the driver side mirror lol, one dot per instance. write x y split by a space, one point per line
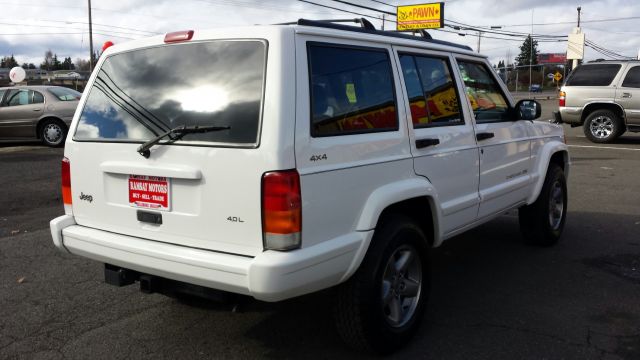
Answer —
528 110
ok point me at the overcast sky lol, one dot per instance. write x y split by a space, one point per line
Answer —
28 28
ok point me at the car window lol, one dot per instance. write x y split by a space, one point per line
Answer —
1 95
214 83
18 97
593 75
352 91
37 98
64 94
633 78
433 98
483 91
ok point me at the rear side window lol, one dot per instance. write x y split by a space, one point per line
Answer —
432 93
593 75
632 79
217 83
64 94
352 90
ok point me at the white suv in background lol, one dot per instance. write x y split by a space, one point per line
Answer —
280 160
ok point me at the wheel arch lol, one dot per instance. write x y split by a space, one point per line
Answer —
415 198
552 153
594 106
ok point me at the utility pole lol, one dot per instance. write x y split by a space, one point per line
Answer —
575 61
531 52
479 36
90 40
383 21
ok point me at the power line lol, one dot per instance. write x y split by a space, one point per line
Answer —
364 7
342 10
573 22
383 3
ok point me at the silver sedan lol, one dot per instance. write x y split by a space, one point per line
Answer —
37 112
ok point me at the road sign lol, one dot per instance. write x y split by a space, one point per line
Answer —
421 16
557 76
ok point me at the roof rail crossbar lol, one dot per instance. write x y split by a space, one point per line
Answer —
364 23
370 29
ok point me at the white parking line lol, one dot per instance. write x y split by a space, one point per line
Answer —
603 147
11 149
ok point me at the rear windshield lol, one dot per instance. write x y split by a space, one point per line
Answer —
593 75
140 94
64 94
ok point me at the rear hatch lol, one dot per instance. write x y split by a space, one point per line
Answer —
201 191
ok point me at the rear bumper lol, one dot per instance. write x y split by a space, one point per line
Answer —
270 276
570 115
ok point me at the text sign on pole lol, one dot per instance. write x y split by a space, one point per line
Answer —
422 16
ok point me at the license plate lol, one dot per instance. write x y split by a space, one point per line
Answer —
150 192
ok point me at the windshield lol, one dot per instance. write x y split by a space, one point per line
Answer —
140 94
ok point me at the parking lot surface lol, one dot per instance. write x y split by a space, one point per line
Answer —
492 297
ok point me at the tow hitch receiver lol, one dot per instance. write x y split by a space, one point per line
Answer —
117 276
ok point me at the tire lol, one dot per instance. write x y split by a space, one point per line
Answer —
379 309
542 222
53 132
602 126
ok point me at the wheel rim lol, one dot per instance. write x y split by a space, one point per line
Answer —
401 285
556 205
601 127
52 133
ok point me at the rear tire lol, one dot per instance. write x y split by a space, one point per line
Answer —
603 126
380 308
542 222
53 132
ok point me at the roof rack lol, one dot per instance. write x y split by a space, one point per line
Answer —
368 28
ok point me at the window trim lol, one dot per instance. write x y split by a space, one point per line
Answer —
384 50
500 88
447 60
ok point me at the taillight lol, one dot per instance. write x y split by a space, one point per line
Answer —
281 210
66 184
178 36
562 96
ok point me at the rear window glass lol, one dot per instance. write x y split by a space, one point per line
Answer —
64 94
593 75
633 78
140 94
351 91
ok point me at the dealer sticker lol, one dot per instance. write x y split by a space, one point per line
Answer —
149 192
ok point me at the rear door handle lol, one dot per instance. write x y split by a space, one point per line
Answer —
626 95
484 136
423 143
36 109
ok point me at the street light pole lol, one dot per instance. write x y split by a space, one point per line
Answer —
90 40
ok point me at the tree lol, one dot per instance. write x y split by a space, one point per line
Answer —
528 52
8 62
82 64
67 64
48 61
32 66
25 66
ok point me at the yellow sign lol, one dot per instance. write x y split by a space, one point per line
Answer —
423 16
557 76
351 93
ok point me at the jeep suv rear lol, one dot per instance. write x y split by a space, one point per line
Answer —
281 160
604 98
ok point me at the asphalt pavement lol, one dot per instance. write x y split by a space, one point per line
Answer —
492 297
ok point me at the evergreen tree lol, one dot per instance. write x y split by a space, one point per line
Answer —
528 52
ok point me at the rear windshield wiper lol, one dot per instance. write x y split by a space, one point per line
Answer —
176 134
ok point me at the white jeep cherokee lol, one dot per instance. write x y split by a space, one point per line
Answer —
280 160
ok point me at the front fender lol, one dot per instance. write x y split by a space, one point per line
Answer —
542 165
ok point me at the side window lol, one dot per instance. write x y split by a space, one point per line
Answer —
18 97
1 96
432 92
632 79
352 91
484 93
37 97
